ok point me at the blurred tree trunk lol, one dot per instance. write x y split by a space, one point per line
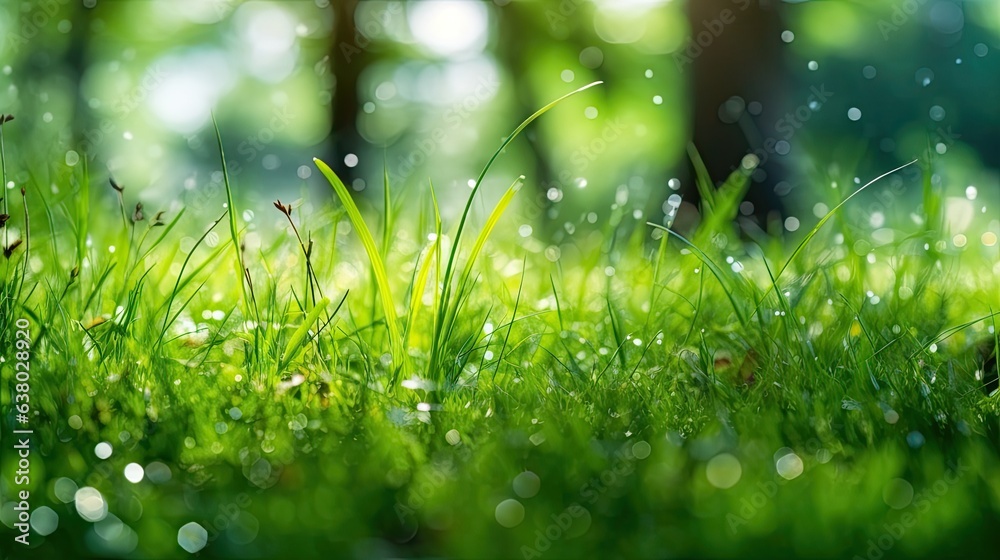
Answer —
349 58
736 63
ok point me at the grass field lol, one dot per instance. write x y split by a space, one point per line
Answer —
376 382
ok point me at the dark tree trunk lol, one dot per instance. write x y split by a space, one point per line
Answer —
737 83
349 58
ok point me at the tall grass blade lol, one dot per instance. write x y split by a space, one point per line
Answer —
378 266
294 346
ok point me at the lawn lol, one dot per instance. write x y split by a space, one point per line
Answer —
348 379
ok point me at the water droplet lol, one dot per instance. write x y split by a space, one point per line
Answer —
897 493
937 113
192 537
590 112
787 36
567 75
44 521
924 76
103 450
134 472
72 158
789 466
723 471
527 484
813 65
591 57
90 504
509 513
980 49
351 160
657 100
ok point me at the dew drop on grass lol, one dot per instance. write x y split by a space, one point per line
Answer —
192 537
453 437
980 49
90 504
674 184
854 114
971 192
937 113
787 36
351 160
103 450
157 472
75 422
641 449
509 513
897 493
869 72
649 71
134 473
924 76
44 521
527 484
591 57
789 466
723 471
65 489
590 112
567 75
915 439
813 65
72 158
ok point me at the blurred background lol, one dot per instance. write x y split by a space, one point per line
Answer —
820 92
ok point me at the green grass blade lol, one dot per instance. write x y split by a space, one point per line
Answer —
479 182
294 346
812 233
714 268
234 230
450 266
491 223
378 266
702 180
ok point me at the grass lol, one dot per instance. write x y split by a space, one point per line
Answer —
633 391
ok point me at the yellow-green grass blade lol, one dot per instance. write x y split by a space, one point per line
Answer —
294 346
702 180
710 264
725 205
420 285
234 230
812 233
479 182
450 266
378 266
491 223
